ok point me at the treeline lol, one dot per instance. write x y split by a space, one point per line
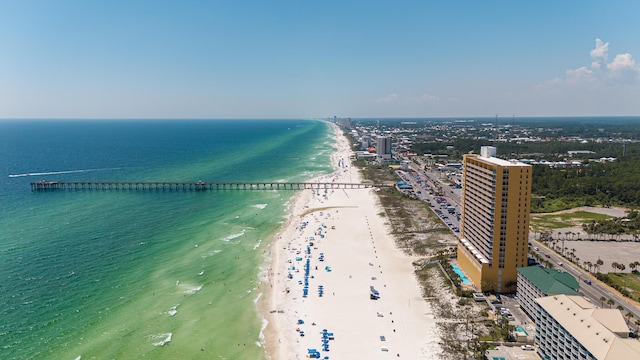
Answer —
615 227
611 183
548 150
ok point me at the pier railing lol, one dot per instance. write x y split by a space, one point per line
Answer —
45 185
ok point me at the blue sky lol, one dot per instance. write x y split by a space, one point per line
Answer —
272 59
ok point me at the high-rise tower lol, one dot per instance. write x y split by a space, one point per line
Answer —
496 201
383 148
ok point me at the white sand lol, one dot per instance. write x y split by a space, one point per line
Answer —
361 253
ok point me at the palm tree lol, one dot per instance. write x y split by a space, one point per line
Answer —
610 302
615 266
599 263
619 307
632 266
588 264
629 316
603 299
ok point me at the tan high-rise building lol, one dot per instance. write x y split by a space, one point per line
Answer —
496 202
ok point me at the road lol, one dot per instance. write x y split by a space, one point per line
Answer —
426 184
429 181
593 292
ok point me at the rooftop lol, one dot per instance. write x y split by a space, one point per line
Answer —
550 281
602 332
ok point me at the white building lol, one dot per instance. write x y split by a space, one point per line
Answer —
536 282
570 327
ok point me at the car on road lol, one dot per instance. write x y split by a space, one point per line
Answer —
560 263
587 281
547 255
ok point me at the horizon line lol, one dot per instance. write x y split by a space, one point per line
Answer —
312 118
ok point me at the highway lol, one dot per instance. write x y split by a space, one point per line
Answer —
593 291
430 181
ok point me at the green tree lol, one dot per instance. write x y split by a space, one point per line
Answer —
610 302
629 316
615 266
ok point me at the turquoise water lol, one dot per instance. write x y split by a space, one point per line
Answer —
521 329
463 277
126 275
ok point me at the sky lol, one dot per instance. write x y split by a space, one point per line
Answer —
316 59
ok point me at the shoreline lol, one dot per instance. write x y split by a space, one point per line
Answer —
337 244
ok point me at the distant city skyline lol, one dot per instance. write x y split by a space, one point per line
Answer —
293 59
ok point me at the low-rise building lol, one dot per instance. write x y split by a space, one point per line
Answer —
569 327
536 282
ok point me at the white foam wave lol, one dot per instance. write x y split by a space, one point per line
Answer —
261 335
59 172
173 311
257 244
255 301
233 236
211 253
161 339
260 206
192 290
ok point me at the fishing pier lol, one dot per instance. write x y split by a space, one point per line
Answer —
45 185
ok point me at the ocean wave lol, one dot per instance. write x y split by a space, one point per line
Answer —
211 253
257 298
257 245
259 206
233 236
173 311
160 339
265 322
192 290
59 172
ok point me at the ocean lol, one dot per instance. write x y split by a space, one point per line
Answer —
107 274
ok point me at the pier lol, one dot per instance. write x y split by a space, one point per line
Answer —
45 185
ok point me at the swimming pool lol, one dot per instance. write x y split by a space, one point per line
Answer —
463 277
520 328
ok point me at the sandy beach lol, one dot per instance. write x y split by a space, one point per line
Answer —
336 243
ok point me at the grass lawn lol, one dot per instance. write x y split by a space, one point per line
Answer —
633 282
548 222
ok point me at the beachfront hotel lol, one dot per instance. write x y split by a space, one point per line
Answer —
535 282
496 199
569 327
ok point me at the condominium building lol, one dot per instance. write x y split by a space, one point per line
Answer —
536 282
496 201
568 327
383 147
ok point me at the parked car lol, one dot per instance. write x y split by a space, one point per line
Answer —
527 347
